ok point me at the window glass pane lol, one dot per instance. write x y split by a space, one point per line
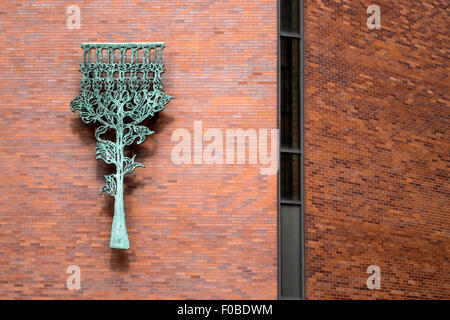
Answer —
290 93
289 15
290 251
290 176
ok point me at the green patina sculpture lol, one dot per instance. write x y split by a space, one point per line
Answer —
120 88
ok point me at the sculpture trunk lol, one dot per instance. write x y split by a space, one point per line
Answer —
119 236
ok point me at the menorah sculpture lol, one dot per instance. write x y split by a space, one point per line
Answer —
120 88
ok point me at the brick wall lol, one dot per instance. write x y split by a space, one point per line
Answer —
377 149
376 153
196 231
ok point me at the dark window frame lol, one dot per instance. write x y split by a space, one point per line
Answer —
300 204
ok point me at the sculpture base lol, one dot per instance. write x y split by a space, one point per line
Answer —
119 236
122 247
119 239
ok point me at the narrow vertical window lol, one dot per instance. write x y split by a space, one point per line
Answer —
290 178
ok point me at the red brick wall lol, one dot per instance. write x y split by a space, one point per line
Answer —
195 231
376 153
377 149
